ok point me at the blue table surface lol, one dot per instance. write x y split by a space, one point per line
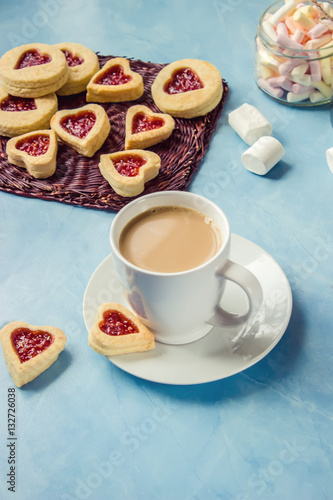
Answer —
87 430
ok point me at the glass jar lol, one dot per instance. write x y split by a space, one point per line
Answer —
294 52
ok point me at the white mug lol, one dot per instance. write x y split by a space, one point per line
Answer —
182 307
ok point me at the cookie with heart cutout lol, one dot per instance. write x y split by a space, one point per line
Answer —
84 129
19 115
29 350
82 65
36 151
115 82
116 330
187 88
128 171
33 70
144 128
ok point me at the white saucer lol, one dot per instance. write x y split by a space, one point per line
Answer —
224 351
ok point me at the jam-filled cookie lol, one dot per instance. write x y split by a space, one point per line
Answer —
82 65
19 115
29 350
128 171
84 129
116 330
36 151
33 70
115 82
145 128
187 88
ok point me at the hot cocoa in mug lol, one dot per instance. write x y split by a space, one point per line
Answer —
170 239
171 253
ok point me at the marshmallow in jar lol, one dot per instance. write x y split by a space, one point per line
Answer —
294 52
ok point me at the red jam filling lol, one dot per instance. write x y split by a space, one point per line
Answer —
116 323
129 165
113 76
143 123
72 60
28 343
32 58
183 80
35 145
13 103
80 124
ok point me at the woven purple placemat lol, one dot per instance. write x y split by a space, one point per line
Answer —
78 181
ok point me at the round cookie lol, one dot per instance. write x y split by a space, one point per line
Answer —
33 70
19 115
187 88
82 65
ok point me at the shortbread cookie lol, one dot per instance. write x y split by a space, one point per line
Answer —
19 115
127 172
116 330
33 70
36 151
187 88
29 350
145 128
84 129
115 82
82 65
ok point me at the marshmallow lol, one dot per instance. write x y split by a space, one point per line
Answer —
299 75
323 88
303 20
329 158
292 27
292 97
286 67
316 97
285 41
282 13
269 29
249 123
282 29
318 30
316 43
315 70
298 88
298 36
280 81
326 71
271 89
263 155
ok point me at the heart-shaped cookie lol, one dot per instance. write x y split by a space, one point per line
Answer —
115 82
29 350
84 129
82 65
127 172
187 88
36 151
144 128
33 70
32 57
116 330
19 115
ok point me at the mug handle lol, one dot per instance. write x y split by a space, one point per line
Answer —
251 286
